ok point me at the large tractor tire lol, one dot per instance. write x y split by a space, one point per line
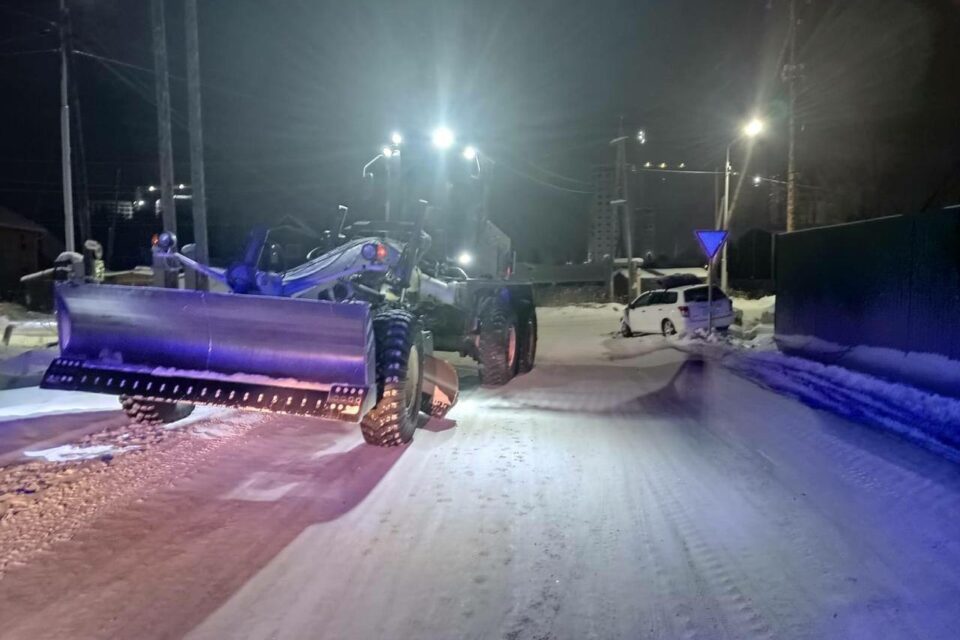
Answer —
528 339
154 412
498 344
399 344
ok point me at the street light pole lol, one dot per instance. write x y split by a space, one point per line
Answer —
750 130
624 200
725 222
389 199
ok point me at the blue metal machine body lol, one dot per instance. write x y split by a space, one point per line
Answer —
261 350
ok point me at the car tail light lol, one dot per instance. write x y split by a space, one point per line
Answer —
684 311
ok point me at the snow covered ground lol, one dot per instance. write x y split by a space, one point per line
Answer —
623 489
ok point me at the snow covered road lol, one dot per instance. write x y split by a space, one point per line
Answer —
623 489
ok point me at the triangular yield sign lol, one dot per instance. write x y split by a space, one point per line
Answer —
710 241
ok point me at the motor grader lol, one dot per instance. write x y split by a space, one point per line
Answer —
350 334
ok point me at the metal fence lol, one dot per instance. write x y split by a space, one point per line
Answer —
880 295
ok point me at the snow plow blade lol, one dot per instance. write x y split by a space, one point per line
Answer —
284 355
441 386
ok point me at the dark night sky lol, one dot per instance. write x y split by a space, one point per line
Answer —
299 94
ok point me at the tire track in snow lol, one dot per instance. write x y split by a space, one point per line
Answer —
710 572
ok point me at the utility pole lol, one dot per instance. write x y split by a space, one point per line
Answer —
623 191
197 177
65 133
790 74
83 185
163 117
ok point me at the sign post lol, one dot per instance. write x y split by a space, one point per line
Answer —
711 240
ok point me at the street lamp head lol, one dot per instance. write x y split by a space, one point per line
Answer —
753 128
469 153
396 138
442 138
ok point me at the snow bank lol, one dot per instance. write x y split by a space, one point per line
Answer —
931 371
31 402
923 416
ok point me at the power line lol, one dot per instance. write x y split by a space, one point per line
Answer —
113 61
27 53
557 175
541 182
694 171
25 36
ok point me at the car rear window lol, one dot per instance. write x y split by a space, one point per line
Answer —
699 294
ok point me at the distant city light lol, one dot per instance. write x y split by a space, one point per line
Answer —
387 152
648 164
683 165
642 136
141 203
663 165
470 153
396 138
442 138
181 186
753 128
151 188
757 180
464 259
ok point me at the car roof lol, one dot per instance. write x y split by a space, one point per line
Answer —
680 288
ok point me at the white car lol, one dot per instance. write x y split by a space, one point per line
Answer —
675 310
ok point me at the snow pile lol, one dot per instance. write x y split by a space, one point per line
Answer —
753 318
22 368
69 452
750 313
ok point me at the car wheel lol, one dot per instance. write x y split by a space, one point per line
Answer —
154 412
668 328
625 330
497 343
